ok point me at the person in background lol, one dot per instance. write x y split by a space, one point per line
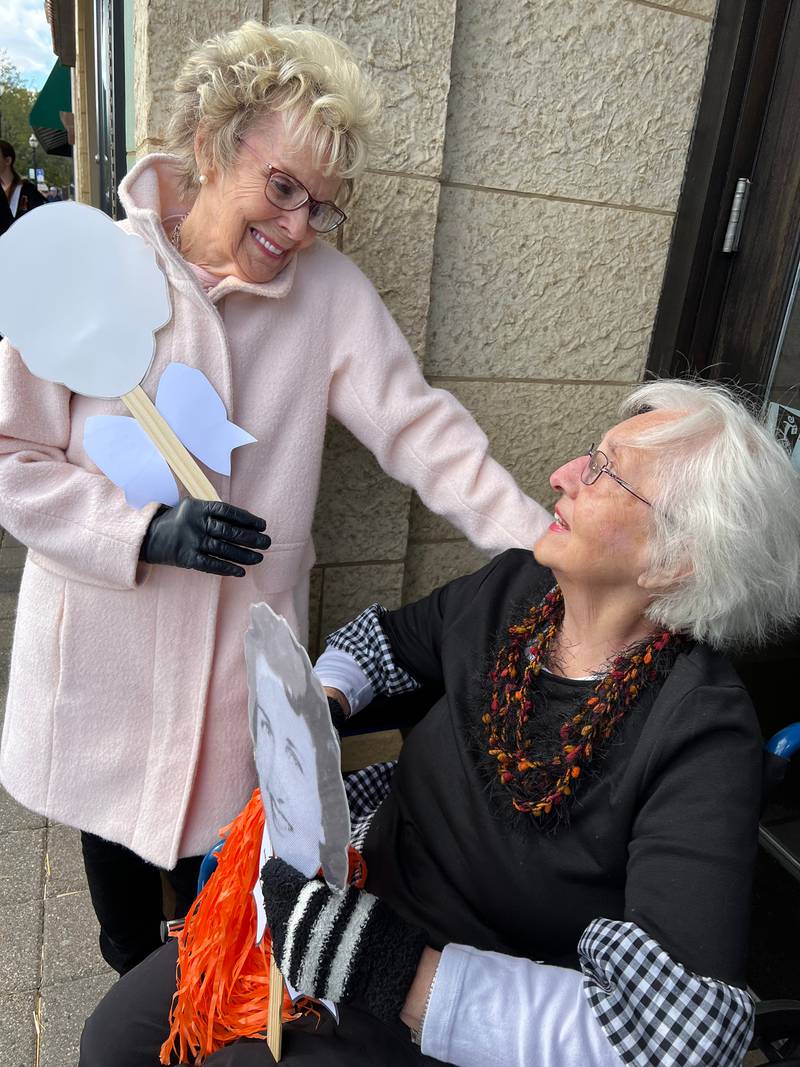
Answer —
22 195
127 701
6 218
560 872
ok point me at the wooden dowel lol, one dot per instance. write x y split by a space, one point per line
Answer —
181 462
274 1011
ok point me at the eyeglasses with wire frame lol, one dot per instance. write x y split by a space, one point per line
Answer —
598 463
286 192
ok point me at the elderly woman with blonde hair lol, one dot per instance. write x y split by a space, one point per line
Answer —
559 874
126 712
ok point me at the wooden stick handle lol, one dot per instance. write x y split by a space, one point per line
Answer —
160 433
274 1011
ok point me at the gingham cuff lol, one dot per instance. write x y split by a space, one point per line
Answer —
338 670
653 1010
365 641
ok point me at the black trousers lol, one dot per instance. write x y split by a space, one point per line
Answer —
126 892
130 1024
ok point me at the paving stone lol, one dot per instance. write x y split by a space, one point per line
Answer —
21 866
18 1030
13 557
70 939
64 864
64 1010
14 817
10 578
8 605
21 956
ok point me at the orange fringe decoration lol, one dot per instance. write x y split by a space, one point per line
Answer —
223 975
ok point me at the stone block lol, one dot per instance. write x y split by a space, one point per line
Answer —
533 428
22 940
14 817
314 609
64 871
8 605
390 235
6 634
70 947
10 578
12 555
588 99
163 33
11 542
361 512
405 49
64 1010
704 8
431 565
348 590
21 866
18 1029
540 289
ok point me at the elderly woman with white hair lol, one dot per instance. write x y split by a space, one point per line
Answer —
126 712
560 872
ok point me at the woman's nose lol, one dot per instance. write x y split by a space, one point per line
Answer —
295 223
568 476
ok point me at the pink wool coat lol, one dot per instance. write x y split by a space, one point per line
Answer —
126 712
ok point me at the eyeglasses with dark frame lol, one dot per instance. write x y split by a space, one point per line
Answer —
599 463
286 192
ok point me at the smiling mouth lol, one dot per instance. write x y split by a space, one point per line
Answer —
559 521
271 249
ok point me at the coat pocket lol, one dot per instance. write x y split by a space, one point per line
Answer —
284 566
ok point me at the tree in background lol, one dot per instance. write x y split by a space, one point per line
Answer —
16 101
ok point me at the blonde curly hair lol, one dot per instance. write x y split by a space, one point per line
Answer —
233 79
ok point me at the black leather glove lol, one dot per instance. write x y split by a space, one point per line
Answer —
205 535
343 945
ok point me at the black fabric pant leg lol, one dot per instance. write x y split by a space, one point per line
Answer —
130 1024
126 893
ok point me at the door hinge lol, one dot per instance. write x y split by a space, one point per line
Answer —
736 217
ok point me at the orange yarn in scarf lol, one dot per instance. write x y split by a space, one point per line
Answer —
223 975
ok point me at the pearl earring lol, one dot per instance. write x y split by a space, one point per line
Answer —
203 178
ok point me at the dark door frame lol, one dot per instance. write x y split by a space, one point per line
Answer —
746 41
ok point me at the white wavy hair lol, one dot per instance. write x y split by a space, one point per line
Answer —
234 79
726 517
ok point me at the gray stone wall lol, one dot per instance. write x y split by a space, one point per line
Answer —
516 219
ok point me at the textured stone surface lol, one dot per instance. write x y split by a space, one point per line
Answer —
64 871
431 565
14 817
363 749
362 514
390 235
18 1030
21 866
314 609
541 289
22 939
593 99
706 8
163 33
64 1010
348 590
70 939
533 428
405 48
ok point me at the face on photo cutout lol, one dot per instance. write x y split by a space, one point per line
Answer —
287 772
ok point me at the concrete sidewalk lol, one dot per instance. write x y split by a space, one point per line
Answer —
51 971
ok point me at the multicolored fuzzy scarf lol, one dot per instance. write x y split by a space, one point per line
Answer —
541 787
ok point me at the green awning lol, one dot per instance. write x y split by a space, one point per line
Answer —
54 97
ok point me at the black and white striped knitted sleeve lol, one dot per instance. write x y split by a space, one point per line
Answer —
631 1004
364 639
340 945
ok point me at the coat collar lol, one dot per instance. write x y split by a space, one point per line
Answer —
149 194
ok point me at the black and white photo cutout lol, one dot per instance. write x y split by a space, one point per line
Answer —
296 750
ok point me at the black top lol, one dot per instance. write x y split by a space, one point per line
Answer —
663 834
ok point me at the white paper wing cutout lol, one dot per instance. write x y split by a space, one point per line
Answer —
296 751
194 410
122 450
106 297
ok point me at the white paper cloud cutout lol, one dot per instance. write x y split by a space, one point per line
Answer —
81 299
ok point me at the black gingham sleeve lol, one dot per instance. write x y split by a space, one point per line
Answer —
653 1010
631 1005
364 639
